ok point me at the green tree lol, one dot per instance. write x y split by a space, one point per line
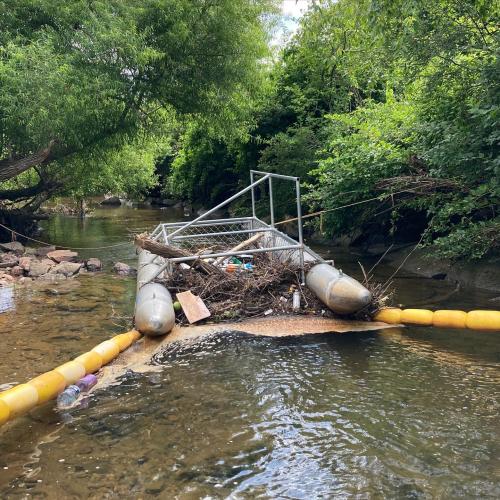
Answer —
81 81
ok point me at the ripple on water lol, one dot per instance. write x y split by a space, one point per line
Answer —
241 416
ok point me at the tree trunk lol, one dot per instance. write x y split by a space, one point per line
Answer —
10 168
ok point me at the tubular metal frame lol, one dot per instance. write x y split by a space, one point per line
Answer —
171 233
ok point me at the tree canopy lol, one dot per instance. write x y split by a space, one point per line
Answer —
394 101
83 81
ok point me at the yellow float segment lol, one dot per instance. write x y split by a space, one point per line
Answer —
4 412
391 315
91 361
474 320
108 350
449 319
20 399
125 340
417 317
48 385
24 397
483 320
71 371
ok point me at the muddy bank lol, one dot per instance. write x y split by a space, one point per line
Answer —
482 274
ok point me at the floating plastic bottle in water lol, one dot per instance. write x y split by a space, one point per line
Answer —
86 383
72 392
68 396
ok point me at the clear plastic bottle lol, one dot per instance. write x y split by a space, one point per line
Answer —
68 396
296 300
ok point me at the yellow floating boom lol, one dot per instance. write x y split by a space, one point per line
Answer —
24 397
474 320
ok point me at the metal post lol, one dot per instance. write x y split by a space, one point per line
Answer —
253 195
220 205
271 201
301 236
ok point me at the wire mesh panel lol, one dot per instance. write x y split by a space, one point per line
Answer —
212 238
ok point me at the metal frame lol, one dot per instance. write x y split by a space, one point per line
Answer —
171 233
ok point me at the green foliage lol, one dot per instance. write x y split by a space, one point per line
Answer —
99 77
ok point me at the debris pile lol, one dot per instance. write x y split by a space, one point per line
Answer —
267 289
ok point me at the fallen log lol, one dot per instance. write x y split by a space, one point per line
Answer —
170 252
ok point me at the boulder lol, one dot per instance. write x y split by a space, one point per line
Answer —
24 280
17 271
25 263
8 259
112 200
66 268
38 268
124 269
94 264
43 251
62 256
13 246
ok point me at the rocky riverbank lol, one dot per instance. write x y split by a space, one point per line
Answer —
23 265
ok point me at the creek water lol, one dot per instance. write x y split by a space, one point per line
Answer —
401 413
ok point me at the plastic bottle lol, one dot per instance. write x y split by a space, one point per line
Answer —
296 300
72 392
68 396
86 383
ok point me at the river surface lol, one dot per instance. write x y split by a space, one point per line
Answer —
401 413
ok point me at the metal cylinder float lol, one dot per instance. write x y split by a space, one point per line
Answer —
338 291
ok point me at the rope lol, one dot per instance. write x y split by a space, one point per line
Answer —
63 247
321 212
313 214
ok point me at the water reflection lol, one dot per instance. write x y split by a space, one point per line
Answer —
408 414
7 299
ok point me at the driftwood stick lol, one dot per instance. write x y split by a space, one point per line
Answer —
170 252
241 246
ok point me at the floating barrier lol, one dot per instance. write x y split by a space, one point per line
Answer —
473 320
339 292
24 397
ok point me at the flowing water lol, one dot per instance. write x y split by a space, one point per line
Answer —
402 413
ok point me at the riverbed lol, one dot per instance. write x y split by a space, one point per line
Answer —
401 413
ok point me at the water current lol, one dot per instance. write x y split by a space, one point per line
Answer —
401 413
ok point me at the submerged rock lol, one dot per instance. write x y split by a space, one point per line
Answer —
94 264
124 269
66 268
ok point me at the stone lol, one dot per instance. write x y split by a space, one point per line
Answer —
124 269
94 264
9 259
25 263
168 202
13 246
112 200
52 277
62 256
43 251
38 268
66 268
24 280
17 271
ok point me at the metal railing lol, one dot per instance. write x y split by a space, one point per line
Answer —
204 238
